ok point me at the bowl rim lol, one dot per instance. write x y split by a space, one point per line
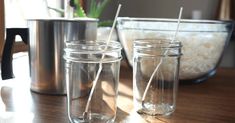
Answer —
174 20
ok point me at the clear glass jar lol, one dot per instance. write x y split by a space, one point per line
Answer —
82 62
156 75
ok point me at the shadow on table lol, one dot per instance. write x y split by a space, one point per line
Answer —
121 115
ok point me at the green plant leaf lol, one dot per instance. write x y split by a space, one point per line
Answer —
101 7
79 10
92 6
96 8
107 23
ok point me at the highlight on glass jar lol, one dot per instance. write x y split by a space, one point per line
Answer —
156 65
92 77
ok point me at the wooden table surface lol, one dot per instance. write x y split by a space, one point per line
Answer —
212 101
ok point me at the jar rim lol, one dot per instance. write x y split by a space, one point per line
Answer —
157 43
90 46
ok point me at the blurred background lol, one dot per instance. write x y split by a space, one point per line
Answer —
193 9
207 9
17 10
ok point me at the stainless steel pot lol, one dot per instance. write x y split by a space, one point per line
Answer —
46 43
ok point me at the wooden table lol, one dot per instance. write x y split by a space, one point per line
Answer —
210 102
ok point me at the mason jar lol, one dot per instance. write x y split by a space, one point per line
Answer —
156 75
83 60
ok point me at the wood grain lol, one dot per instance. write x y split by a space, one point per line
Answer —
2 27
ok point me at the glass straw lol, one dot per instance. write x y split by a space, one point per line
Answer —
157 67
85 114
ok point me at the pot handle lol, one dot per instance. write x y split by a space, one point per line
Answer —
6 66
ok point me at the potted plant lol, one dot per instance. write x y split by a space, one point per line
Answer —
94 10
76 9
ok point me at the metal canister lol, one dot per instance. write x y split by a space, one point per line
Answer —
46 43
